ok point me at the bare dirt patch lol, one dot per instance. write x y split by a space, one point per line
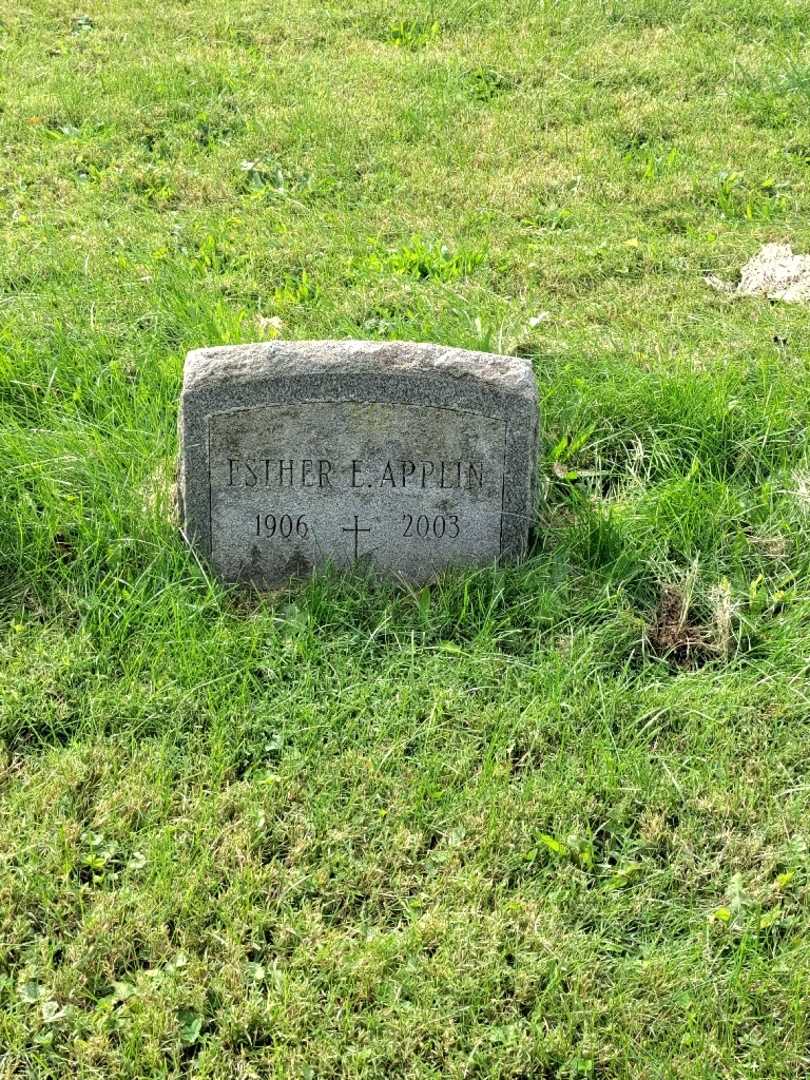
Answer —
774 272
673 636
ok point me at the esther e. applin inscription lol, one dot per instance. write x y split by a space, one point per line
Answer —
399 458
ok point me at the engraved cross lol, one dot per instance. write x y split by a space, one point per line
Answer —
356 530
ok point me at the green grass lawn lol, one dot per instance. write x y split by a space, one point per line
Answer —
548 820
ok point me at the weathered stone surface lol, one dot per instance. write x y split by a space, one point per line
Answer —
402 458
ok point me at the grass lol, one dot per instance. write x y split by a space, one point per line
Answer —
536 821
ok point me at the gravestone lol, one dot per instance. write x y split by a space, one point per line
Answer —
401 458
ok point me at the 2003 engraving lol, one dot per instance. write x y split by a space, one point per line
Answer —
424 528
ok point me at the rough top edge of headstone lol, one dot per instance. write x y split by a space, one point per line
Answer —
279 359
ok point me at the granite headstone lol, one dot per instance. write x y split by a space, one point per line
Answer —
401 458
